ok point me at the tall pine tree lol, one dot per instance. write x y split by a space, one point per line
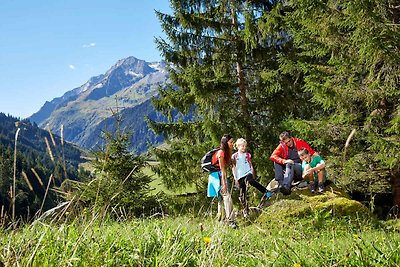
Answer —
216 58
348 54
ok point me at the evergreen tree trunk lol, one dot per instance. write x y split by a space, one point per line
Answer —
394 6
395 179
240 76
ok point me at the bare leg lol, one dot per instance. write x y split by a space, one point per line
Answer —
228 205
220 212
321 176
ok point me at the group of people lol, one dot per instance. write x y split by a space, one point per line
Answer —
293 158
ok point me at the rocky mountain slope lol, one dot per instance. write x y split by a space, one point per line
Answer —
84 112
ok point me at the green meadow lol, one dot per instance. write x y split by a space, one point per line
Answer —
300 230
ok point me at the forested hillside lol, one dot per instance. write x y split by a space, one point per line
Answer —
34 165
326 71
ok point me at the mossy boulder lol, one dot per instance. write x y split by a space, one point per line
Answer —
334 202
393 224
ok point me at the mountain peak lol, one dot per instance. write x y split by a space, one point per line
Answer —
85 109
131 66
127 61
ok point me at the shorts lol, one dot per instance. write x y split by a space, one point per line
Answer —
214 184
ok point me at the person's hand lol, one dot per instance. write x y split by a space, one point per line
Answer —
289 161
237 183
224 189
308 172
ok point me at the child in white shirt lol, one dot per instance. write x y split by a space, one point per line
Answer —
243 172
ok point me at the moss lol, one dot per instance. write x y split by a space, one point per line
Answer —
393 225
302 204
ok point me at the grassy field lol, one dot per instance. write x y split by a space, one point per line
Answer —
185 241
321 230
158 186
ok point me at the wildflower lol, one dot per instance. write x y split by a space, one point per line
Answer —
207 240
356 236
297 265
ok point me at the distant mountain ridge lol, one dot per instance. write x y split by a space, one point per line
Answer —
85 111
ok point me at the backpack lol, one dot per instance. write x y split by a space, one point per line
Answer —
206 161
236 155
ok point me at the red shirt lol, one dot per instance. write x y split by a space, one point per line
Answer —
281 151
215 159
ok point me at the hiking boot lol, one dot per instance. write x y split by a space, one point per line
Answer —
233 225
321 188
285 190
311 186
295 183
302 184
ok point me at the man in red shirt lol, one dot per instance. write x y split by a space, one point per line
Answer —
287 163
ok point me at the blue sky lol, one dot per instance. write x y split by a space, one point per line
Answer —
49 47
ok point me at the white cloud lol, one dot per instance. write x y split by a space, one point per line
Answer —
89 45
72 67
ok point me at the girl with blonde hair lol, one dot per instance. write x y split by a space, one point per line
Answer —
243 172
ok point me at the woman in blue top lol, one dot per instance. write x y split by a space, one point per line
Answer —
217 181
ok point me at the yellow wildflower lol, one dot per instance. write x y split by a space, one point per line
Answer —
207 240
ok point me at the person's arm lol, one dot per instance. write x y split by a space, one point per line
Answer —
305 172
234 171
276 155
318 167
251 166
224 187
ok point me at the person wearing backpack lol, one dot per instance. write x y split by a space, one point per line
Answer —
243 172
287 163
217 179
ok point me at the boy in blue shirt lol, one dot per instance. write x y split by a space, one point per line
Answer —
313 169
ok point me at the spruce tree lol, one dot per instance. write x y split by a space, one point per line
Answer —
348 54
119 180
217 57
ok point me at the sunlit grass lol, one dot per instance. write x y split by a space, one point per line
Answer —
299 230
185 241
158 186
